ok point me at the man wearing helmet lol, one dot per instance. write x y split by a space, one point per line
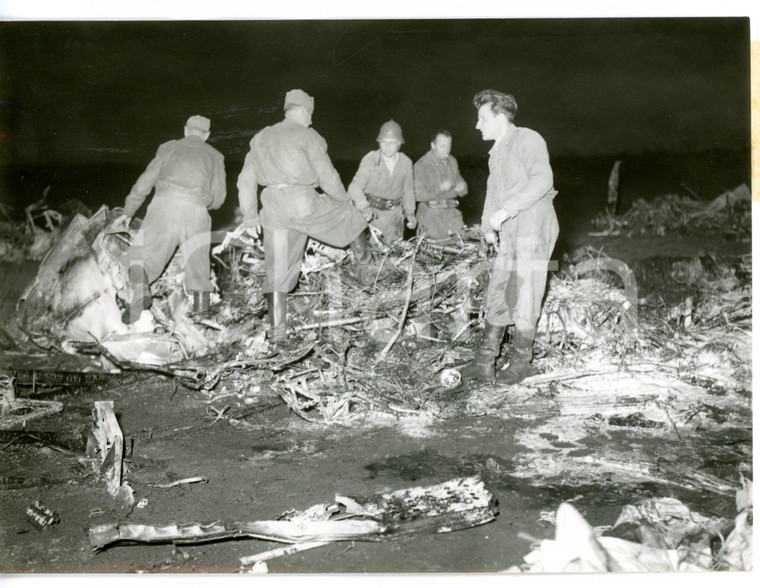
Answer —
437 184
518 216
383 187
290 160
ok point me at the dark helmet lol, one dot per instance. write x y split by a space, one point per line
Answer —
390 130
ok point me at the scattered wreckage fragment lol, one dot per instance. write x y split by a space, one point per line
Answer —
75 296
106 450
451 506
15 412
655 535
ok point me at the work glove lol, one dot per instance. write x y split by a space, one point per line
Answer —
498 218
368 214
411 221
252 226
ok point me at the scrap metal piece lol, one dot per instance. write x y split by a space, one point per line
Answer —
110 446
260 558
457 504
284 531
41 516
194 480
16 412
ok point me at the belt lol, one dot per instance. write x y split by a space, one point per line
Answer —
382 203
442 203
169 191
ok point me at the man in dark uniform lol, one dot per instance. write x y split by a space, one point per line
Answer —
383 186
188 175
290 160
437 185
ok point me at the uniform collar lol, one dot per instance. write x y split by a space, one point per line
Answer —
392 159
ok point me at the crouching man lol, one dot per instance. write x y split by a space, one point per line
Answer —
290 160
188 177
519 218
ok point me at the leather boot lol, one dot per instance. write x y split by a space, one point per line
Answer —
363 259
519 366
141 299
481 366
277 302
201 303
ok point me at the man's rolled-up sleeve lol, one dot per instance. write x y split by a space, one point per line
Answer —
329 178
359 183
144 184
248 190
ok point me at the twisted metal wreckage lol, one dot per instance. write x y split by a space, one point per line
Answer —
607 358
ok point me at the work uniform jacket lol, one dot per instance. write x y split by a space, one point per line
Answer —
189 179
291 161
437 213
522 183
374 180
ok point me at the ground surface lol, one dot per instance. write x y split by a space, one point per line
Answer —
262 460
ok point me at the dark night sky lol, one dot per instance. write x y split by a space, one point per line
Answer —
112 91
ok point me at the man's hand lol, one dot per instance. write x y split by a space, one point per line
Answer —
368 214
252 227
411 221
490 237
497 219
445 185
460 186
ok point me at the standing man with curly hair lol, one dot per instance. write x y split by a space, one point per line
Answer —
519 218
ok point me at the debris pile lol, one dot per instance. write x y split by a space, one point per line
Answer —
656 535
394 346
74 300
729 215
31 239
679 394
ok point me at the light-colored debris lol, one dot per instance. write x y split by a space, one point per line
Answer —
457 504
655 535
107 450
259 558
194 480
41 516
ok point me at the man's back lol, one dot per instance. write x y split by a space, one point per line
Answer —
282 154
190 164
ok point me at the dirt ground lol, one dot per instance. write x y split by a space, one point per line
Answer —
261 460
